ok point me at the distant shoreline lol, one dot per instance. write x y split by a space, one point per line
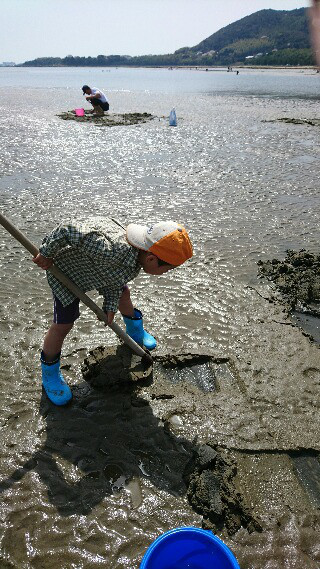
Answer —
169 67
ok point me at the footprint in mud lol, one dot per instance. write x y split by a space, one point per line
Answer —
312 373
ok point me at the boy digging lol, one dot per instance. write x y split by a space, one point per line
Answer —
99 255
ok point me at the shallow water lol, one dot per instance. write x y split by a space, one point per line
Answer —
246 190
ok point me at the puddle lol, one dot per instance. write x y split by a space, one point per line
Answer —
199 375
309 323
308 472
134 490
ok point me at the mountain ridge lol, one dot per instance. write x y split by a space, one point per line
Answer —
266 37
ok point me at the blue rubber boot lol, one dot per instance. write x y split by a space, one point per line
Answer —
53 382
134 329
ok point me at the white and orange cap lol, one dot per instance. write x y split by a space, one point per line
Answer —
167 240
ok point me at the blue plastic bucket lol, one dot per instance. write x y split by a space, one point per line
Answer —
188 548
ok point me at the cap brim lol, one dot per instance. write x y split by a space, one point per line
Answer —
136 236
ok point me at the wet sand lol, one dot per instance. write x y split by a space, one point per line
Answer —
225 432
123 434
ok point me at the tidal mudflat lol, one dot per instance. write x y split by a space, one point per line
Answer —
225 433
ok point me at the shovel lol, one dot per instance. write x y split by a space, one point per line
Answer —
76 290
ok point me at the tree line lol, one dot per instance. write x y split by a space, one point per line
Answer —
227 57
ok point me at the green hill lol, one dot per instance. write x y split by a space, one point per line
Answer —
267 37
275 28
263 33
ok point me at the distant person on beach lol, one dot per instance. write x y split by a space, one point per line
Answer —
97 99
102 255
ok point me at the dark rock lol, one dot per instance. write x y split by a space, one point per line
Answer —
206 456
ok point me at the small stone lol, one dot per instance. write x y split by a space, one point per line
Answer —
206 456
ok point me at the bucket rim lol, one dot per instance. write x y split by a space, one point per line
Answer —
190 529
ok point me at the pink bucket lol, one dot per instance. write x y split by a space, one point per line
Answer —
79 112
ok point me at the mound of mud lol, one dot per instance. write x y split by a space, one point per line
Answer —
210 479
110 119
310 122
297 278
114 366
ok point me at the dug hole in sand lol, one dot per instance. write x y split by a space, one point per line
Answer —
248 477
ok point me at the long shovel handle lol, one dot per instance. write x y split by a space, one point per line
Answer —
74 288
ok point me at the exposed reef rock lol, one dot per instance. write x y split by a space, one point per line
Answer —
110 119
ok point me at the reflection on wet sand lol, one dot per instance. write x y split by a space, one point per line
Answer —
246 190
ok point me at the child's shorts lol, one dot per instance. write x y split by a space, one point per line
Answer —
70 313
65 314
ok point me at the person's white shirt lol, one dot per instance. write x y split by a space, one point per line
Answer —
102 97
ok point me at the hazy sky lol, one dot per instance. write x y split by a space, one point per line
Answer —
36 28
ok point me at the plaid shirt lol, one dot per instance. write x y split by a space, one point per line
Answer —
95 255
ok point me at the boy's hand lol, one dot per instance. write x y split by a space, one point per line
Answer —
110 316
43 262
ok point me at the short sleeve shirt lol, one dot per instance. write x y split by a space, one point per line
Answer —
102 97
